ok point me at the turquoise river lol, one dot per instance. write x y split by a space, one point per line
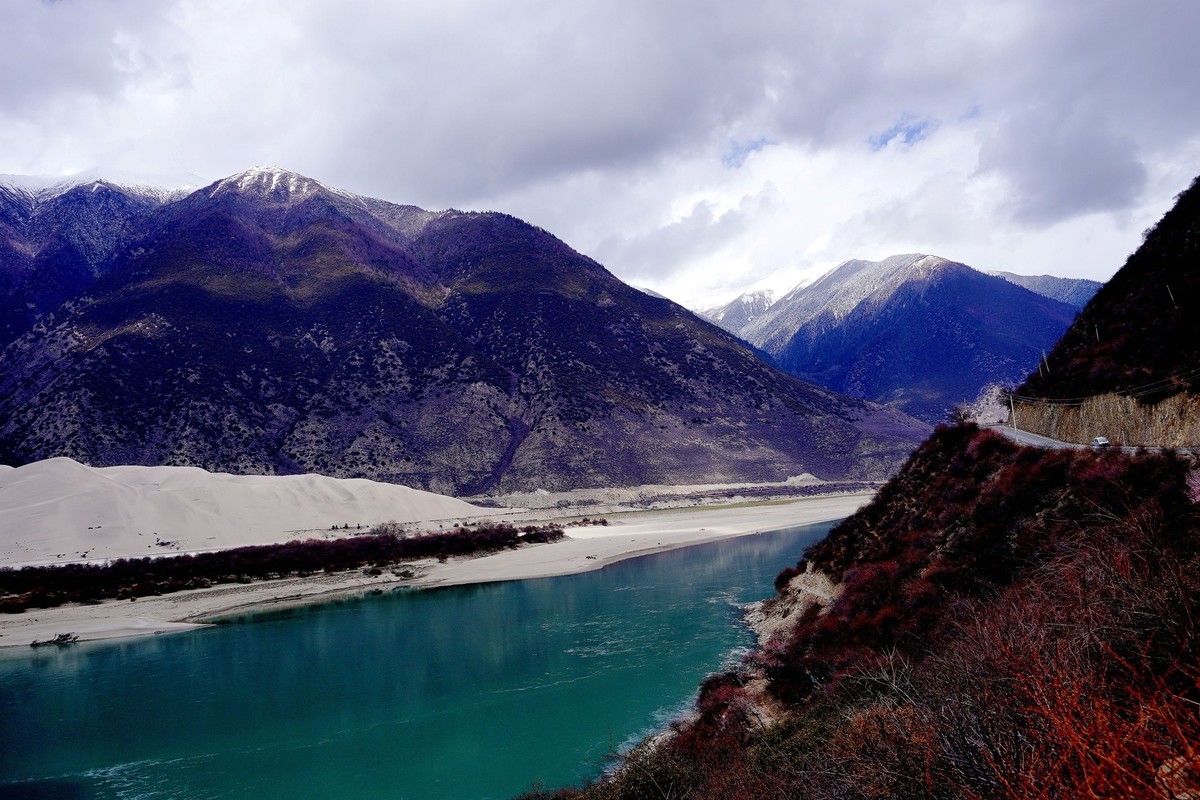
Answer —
467 692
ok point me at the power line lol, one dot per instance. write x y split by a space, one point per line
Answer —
1135 392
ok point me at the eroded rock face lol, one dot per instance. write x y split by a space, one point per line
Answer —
778 614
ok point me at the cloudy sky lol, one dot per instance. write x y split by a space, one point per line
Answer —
696 148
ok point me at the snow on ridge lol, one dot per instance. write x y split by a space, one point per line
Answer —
41 189
281 182
269 180
838 293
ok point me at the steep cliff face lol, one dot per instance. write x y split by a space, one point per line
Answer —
269 324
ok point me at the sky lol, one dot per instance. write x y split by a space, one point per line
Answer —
694 148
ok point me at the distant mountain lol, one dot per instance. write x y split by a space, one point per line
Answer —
650 292
56 241
915 331
1141 332
1073 291
738 313
269 324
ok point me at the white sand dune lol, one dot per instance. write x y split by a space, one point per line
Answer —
61 510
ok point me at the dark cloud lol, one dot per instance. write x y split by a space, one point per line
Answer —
73 52
702 232
1064 164
1089 101
1072 106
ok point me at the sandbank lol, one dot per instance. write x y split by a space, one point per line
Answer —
58 510
585 548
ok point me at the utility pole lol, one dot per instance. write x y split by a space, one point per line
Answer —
1012 411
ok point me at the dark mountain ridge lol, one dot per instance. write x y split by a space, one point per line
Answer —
268 324
1142 329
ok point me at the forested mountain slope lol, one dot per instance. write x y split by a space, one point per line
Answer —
1142 329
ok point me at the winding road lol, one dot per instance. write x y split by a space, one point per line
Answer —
1034 440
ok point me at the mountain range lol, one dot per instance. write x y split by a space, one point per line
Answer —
916 331
1075 292
269 324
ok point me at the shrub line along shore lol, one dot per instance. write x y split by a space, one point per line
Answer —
583 549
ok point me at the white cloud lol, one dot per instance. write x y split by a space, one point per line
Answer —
694 147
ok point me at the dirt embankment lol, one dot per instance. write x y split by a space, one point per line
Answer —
1174 422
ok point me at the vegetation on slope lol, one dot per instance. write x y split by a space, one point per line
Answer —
1011 623
1128 367
46 587
1142 329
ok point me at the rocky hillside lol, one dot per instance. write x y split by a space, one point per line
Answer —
55 242
269 324
1141 332
917 332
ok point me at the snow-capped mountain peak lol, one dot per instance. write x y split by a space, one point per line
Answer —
735 315
268 182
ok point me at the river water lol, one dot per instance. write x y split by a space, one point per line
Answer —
466 692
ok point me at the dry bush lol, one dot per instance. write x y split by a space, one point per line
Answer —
1081 682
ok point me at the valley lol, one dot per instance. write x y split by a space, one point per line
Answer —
599 401
299 367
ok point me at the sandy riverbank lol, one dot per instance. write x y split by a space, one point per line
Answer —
586 548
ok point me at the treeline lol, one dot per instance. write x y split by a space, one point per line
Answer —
46 587
1012 623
